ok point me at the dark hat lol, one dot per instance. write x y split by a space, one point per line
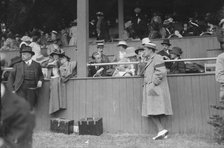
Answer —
176 50
139 49
27 49
166 41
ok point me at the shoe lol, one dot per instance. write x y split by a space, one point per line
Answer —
162 134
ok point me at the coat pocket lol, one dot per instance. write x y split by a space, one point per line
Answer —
154 90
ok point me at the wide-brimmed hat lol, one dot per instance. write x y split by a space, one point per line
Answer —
122 43
41 58
176 50
150 45
26 39
166 41
130 52
139 49
27 49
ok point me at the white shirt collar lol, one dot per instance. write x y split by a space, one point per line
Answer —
29 61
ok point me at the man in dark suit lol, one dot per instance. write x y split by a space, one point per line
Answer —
16 120
26 77
165 52
139 24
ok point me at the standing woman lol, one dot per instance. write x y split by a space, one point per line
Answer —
156 95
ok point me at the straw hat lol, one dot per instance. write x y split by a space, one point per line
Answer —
124 43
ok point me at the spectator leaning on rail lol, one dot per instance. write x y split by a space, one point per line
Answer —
177 67
68 69
122 46
126 70
156 95
97 71
219 70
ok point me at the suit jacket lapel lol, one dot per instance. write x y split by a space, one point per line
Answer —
21 66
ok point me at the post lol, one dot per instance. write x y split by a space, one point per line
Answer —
121 18
83 37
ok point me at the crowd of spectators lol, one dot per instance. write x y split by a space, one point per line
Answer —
138 26
169 25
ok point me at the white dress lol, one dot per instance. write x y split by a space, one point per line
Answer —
73 35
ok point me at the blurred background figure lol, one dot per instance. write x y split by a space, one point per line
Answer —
17 122
73 33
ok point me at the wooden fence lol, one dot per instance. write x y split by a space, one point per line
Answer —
118 101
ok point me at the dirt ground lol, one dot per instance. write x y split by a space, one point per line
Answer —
55 140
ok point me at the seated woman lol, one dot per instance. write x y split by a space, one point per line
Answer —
177 67
68 69
98 71
126 70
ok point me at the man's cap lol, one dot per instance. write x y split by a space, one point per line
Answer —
124 43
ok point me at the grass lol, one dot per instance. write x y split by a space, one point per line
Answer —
55 140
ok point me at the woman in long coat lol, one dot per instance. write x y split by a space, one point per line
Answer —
156 96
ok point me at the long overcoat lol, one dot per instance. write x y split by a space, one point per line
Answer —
156 94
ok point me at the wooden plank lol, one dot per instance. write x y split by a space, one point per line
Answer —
172 81
89 98
197 103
